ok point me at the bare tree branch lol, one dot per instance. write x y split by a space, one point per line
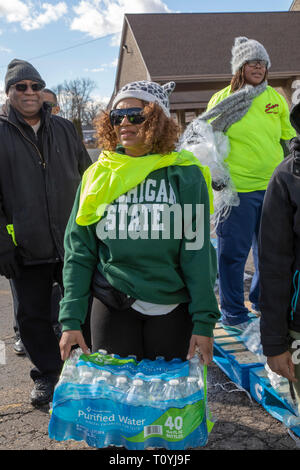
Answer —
74 98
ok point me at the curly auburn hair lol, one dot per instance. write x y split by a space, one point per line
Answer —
238 80
160 133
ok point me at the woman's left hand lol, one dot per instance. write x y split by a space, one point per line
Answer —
204 346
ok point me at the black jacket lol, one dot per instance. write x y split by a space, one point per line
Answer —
39 176
279 253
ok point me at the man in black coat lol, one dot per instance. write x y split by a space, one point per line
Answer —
51 99
279 266
42 160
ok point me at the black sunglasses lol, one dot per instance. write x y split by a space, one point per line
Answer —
134 116
23 86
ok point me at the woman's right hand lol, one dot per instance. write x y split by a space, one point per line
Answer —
68 339
204 346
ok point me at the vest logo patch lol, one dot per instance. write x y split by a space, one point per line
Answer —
272 108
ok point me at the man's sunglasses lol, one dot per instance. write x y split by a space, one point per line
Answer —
134 116
23 86
49 103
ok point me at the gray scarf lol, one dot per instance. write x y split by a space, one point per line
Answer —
209 144
233 108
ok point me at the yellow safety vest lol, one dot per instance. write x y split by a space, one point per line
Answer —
113 174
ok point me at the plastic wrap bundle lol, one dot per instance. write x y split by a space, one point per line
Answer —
252 341
108 400
275 379
211 148
283 388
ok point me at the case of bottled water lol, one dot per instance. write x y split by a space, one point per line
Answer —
104 399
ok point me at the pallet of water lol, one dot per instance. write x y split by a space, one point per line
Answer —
104 399
276 396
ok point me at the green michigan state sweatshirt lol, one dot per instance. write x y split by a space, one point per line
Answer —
152 243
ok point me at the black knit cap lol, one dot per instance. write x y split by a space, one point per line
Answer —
19 70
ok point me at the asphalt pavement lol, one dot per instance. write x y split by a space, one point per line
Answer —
241 423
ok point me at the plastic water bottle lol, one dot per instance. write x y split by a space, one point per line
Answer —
156 391
291 421
132 356
103 389
69 370
86 377
190 386
102 351
108 375
69 374
74 356
195 367
137 393
83 368
160 361
274 378
121 388
173 392
160 364
122 383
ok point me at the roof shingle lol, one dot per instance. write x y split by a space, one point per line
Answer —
194 44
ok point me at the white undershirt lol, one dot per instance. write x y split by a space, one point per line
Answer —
147 308
36 127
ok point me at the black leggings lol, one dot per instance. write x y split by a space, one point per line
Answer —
128 332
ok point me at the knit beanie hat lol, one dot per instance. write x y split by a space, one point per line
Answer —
19 70
245 49
147 91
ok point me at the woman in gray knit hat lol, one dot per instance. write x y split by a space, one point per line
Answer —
255 118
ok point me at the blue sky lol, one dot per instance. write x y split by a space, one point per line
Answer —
67 39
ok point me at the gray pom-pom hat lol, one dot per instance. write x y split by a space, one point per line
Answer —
245 49
147 91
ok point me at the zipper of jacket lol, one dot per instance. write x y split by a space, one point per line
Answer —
43 163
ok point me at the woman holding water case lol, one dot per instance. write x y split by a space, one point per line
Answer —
138 238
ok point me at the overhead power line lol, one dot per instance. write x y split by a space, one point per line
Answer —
64 49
